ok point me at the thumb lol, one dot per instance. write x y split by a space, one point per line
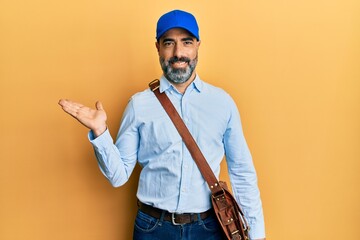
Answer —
99 105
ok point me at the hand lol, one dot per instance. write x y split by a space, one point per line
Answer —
94 119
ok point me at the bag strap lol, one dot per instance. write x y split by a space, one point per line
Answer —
189 141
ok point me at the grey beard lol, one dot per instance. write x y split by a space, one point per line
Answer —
178 75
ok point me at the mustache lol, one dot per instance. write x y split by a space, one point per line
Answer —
179 59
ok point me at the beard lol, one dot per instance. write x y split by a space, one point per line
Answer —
178 75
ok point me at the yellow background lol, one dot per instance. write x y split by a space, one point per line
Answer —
291 66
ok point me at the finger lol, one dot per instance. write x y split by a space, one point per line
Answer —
74 104
70 110
99 105
70 107
62 102
70 104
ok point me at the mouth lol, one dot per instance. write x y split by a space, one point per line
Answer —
179 64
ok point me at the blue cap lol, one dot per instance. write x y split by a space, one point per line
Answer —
177 19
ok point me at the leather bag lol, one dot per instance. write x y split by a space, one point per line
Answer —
227 210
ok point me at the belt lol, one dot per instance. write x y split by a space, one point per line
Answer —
176 219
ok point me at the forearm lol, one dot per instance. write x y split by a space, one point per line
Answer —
244 185
115 168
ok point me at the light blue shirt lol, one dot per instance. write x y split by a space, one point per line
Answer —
170 179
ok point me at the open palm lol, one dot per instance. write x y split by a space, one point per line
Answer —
94 119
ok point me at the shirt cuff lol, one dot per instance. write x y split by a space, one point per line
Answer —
257 230
100 141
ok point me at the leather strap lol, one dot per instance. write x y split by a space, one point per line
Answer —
189 141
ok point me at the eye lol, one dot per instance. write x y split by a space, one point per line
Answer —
188 42
168 43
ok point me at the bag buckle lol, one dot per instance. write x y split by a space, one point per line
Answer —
243 222
220 195
154 85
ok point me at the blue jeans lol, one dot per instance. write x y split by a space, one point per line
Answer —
150 228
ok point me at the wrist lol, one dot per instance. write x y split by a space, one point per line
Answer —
98 131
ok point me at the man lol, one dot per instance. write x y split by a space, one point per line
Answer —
174 199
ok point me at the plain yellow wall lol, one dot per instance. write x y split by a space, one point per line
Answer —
291 66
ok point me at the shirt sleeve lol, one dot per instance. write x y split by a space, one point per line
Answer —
243 175
117 161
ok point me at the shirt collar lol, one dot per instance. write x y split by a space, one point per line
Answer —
198 84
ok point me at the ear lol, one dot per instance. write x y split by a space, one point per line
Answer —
157 46
198 43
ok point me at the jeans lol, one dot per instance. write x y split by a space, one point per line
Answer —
150 228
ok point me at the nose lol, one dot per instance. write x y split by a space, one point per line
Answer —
178 50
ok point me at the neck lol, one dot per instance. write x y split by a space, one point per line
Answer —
181 87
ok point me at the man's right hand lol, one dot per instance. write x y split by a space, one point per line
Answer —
94 119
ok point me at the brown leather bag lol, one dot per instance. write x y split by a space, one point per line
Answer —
228 212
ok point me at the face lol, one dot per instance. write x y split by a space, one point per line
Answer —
178 55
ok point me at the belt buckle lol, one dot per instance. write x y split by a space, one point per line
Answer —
173 220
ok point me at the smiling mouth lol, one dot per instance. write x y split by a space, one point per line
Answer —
179 64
